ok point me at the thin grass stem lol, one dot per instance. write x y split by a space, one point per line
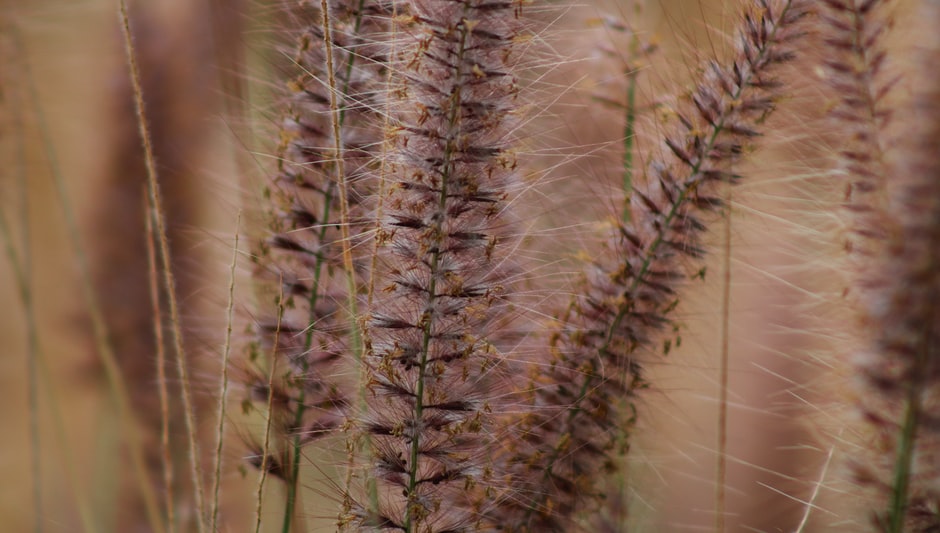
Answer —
38 365
340 181
24 280
266 456
153 277
721 466
223 387
629 128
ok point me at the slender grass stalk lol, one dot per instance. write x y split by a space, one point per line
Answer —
266 456
169 282
721 463
633 66
42 374
160 346
336 115
324 176
23 273
907 437
223 386
86 515
342 186
381 193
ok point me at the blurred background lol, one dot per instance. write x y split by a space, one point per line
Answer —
73 186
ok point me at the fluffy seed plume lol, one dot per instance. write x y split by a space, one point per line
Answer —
901 365
854 62
442 274
628 292
307 384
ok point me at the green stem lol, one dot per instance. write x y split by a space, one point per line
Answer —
308 343
629 133
907 440
446 164
339 116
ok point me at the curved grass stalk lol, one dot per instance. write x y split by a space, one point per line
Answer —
159 344
223 388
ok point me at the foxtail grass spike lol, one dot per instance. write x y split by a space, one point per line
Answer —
618 319
432 368
900 290
303 256
854 62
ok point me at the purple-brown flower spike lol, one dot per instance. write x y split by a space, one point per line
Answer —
629 291
442 279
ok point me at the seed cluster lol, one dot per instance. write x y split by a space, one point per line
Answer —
310 383
630 290
442 277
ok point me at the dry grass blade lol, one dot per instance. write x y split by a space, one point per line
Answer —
223 387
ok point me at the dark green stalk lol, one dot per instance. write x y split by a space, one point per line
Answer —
22 273
304 366
223 393
169 282
453 117
897 509
721 466
338 120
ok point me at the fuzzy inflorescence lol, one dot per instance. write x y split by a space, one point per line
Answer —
307 384
570 431
900 288
442 276
854 62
